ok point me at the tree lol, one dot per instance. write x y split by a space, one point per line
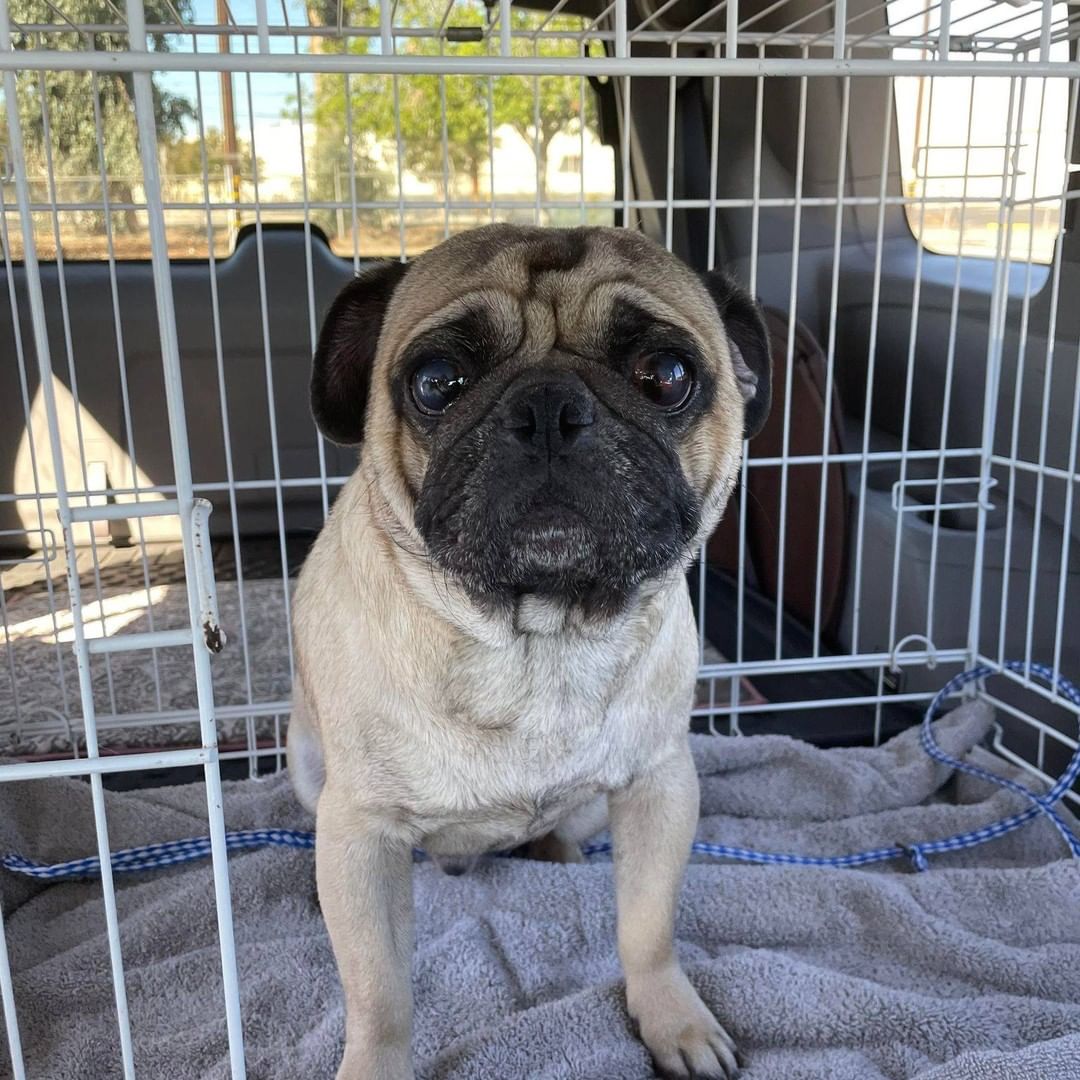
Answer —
63 101
183 158
559 98
464 100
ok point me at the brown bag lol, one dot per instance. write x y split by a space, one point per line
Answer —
804 485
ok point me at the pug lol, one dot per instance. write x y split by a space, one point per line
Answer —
493 632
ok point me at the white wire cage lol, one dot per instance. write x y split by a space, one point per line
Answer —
184 185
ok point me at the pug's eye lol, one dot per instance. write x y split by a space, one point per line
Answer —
436 386
664 378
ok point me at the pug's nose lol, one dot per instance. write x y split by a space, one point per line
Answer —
551 412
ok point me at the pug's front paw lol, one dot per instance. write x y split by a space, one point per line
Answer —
684 1038
368 1060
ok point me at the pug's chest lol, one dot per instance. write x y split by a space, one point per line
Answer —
500 795
517 755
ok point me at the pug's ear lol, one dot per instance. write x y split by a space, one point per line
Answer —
749 340
345 354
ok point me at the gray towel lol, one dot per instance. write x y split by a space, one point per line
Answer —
968 972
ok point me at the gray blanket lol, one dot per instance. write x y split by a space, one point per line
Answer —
970 971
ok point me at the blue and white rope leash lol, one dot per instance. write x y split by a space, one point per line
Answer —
174 852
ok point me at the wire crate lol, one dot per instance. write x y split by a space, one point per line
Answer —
185 183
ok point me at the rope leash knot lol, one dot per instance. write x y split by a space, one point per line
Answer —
175 852
915 853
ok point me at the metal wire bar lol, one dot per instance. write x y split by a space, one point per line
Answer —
994 347
830 359
764 13
94 767
861 700
445 149
1074 434
538 157
447 64
687 33
871 355
950 359
582 113
669 171
793 305
121 363
1040 489
1017 401
490 145
268 378
851 662
909 384
355 225
69 349
313 483
13 679
510 203
978 40
627 134
822 37
1000 747
755 222
1046 731
399 163
174 396
793 666
808 17
44 358
7 996
150 718
31 444
309 273
714 161
223 401
548 16
824 208
1047 693
1015 17
651 18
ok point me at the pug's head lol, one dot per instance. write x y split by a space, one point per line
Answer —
546 411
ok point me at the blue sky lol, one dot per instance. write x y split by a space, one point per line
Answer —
270 93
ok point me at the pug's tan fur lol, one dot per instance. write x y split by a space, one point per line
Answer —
422 719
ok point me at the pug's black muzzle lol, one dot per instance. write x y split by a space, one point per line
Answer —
551 487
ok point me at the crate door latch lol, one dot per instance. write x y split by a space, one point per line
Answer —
214 636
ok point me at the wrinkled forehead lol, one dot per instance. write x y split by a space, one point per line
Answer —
541 286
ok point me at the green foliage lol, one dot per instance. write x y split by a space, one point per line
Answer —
443 126
61 103
182 159
464 103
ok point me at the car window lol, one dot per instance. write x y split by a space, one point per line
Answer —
323 147
968 145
